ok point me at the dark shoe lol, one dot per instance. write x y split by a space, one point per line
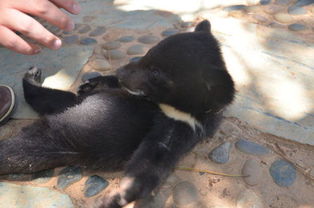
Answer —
7 103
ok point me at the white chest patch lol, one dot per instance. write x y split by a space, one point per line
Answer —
178 115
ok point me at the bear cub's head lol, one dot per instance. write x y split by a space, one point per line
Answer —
185 70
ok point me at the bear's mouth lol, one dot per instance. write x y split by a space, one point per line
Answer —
134 92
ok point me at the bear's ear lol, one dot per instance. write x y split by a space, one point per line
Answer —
219 85
203 26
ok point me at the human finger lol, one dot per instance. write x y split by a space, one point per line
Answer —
69 5
29 27
48 11
12 41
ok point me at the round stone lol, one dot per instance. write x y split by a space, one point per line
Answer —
126 39
249 199
251 147
68 176
264 2
185 193
112 45
272 9
135 59
284 18
169 32
186 24
283 173
253 172
98 31
260 18
283 201
43 176
148 39
114 54
301 3
71 39
283 2
296 10
90 75
234 8
135 50
221 153
94 184
84 29
88 41
297 27
100 64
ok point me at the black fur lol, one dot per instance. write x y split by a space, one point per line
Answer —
105 127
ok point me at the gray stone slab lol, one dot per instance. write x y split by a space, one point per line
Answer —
59 67
23 196
274 73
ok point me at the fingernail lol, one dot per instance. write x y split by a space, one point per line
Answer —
70 26
76 8
56 44
37 50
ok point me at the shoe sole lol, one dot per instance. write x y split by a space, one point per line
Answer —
6 116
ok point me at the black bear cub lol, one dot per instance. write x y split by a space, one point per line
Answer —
143 120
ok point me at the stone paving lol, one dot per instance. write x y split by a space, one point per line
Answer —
268 47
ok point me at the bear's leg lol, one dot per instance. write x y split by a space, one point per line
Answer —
45 100
36 148
152 162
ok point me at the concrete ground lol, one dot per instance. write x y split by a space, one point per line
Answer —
268 132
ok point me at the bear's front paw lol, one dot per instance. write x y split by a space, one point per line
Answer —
87 87
33 74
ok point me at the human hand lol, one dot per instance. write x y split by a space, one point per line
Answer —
15 17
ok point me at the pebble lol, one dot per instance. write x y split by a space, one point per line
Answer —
94 184
148 39
185 193
90 75
251 147
169 32
253 171
135 50
272 9
234 8
111 45
98 31
100 64
88 41
71 39
260 18
126 39
26 196
135 59
283 201
297 27
301 3
114 54
68 176
186 24
283 173
296 10
221 153
249 199
284 18
84 29
283 2
43 176
264 2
